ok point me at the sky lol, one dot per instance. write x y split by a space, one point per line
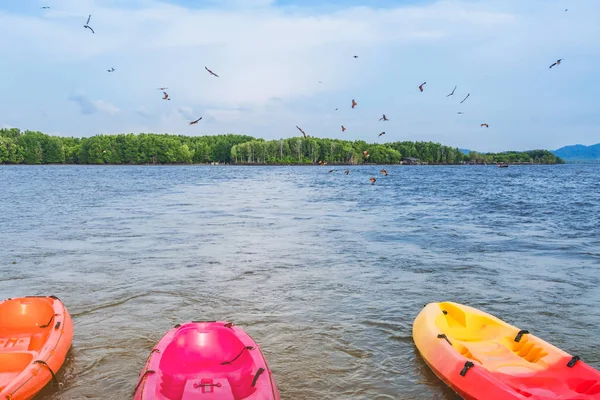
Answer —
290 62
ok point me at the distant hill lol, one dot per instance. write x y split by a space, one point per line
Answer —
579 153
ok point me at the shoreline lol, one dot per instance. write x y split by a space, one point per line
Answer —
279 165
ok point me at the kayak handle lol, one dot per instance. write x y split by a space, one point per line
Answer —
468 366
142 379
260 371
238 356
49 322
54 380
443 336
573 361
520 335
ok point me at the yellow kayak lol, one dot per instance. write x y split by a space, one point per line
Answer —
482 357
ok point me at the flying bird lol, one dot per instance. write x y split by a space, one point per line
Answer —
166 96
210 72
87 24
384 118
162 88
343 128
557 63
452 91
355 56
465 98
421 86
300 129
381 134
196 121
366 154
460 112
373 180
347 171
335 109
486 125
46 7
384 172
111 69
354 103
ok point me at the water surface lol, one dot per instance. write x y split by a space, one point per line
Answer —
325 271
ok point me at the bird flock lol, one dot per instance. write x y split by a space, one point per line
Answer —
353 104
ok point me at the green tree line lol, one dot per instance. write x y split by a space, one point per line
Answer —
32 147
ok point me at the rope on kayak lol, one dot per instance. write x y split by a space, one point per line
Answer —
229 325
520 335
238 356
573 361
142 379
468 366
443 336
54 380
260 371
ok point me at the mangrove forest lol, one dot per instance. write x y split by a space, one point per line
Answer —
32 147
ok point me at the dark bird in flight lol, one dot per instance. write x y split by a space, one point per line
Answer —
46 7
381 134
373 180
300 129
486 125
87 24
347 171
366 154
343 128
557 63
335 109
384 118
460 112
166 96
384 172
421 86
196 121
452 91
210 72
355 56
465 98
111 69
354 103
162 88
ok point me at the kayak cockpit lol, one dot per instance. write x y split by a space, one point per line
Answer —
201 360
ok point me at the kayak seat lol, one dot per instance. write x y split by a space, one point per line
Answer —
454 322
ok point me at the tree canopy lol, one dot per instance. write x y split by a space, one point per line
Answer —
32 147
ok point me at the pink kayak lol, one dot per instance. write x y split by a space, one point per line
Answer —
206 360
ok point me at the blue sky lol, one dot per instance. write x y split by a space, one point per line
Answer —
271 55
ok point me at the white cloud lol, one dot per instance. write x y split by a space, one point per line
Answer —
270 61
88 106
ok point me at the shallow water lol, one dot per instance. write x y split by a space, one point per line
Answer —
325 271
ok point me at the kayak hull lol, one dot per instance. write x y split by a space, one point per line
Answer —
482 357
206 360
35 335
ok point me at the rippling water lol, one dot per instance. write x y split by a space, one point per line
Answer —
325 271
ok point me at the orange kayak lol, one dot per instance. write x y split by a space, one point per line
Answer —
35 335
482 357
